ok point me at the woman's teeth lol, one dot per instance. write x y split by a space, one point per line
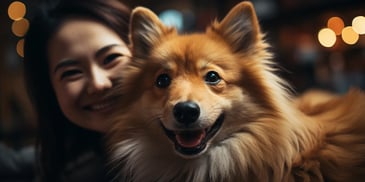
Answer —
100 106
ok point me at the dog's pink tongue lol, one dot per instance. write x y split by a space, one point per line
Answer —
190 139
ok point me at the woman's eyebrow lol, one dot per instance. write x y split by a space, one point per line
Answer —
105 49
65 63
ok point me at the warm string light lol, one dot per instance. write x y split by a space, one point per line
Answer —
327 37
20 25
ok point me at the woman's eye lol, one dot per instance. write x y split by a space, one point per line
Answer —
212 78
69 74
163 81
110 58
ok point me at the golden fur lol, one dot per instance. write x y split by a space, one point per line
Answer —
265 135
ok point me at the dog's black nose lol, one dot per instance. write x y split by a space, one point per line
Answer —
186 112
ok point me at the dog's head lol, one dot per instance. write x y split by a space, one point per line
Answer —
200 89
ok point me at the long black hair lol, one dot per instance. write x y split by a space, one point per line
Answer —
59 140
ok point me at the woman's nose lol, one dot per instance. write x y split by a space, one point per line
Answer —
99 80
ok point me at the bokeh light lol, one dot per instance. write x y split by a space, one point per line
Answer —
172 18
20 47
327 37
16 10
20 27
336 24
349 36
358 24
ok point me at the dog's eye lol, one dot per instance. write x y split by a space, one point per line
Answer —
212 78
163 81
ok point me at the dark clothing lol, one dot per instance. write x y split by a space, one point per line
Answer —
88 167
19 166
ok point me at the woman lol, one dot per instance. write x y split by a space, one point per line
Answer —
73 55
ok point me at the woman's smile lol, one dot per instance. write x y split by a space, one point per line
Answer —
102 106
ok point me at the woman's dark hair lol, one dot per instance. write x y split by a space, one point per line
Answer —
59 140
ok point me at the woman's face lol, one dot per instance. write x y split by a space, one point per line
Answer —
86 58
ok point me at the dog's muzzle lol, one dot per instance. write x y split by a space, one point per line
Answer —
189 142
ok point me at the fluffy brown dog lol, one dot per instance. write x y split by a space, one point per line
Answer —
208 107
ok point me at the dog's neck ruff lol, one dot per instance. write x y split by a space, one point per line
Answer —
140 161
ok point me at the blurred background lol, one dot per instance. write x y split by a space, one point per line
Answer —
317 43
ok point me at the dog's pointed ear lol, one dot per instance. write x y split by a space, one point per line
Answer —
146 31
240 27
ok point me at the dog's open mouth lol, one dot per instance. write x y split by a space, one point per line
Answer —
192 142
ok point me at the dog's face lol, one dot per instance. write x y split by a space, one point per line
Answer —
197 91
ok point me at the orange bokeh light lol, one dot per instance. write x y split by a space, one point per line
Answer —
20 47
16 10
20 27
336 24
349 36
